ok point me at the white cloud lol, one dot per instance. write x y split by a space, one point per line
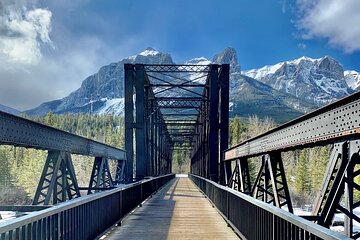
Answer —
22 31
335 20
302 45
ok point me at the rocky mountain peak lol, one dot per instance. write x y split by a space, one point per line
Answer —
228 56
316 80
104 89
283 91
331 67
352 78
150 56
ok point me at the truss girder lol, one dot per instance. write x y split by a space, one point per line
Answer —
326 125
58 181
240 177
18 131
270 185
181 108
340 188
100 176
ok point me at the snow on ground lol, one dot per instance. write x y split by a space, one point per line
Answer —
338 222
7 215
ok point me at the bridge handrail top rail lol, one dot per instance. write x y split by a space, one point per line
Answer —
348 100
34 216
292 218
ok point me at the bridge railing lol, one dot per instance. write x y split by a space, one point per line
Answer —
254 219
85 217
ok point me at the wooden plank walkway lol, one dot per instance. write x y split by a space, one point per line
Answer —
178 211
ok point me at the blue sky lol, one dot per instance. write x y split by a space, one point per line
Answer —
56 44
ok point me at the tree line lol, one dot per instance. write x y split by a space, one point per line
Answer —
20 168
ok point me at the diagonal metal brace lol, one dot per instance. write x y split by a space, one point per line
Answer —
240 178
58 181
270 185
100 176
340 187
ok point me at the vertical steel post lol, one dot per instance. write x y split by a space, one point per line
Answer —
141 170
156 143
225 167
129 120
213 143
147 125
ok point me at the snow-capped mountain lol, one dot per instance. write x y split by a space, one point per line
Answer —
319 81
251 97
352 79
10 110
102 92
282 91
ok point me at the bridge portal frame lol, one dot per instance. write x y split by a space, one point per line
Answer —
155 135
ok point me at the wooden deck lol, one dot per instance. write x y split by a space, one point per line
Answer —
178 211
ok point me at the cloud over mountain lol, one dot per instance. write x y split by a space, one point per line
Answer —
335 20
23 28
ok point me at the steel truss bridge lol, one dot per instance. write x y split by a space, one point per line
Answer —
173 108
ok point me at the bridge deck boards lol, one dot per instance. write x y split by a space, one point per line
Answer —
178 211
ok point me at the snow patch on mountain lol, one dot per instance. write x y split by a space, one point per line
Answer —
352 79
112 106
149 52
198 77
198 61
317 80
271 69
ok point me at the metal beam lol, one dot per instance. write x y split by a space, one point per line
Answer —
129 119
176 68
177 85
18 131
141 161
225 168
327 125
213 143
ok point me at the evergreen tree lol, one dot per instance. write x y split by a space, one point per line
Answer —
303 182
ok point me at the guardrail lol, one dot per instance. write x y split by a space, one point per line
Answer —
253 219
85 217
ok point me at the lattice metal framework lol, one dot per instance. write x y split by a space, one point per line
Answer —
101 176
177 108
337 124
58 181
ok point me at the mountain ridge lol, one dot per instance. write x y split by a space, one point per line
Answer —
316 80
10 110
262 90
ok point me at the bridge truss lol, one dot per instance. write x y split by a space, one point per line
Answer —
337 124
58 181
177 107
